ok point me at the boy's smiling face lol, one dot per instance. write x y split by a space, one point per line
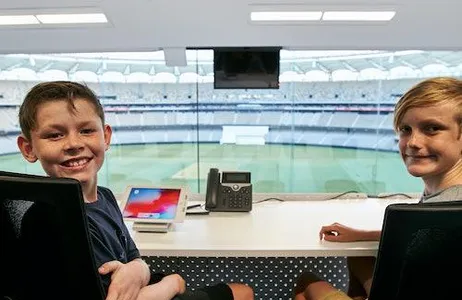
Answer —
430 141
68 142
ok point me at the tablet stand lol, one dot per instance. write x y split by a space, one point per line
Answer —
151 227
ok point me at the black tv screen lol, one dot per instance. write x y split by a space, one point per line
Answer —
246 68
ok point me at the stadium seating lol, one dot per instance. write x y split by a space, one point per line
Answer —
169 113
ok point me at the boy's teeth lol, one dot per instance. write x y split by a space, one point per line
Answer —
76 163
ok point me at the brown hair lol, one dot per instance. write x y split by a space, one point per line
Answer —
431 92
54 91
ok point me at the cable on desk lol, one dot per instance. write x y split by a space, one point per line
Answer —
268 199
282 200
342 194
193 206
190 209
390 195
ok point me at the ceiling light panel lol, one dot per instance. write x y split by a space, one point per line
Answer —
90 18
18 20
358 15
265 16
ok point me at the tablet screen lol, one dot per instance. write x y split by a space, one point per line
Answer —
152 203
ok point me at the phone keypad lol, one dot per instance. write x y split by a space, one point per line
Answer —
237 198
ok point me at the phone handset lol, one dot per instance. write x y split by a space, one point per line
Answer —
213 182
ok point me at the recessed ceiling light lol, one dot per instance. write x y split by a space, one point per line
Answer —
358 15
18 20
72 18
285 16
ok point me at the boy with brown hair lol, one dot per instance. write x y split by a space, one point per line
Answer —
63 127
428 120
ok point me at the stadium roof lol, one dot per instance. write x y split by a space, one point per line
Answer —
294 66
147 25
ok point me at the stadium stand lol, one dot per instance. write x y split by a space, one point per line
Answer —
342 114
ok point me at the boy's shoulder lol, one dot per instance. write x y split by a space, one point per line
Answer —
452 193
104 189
105 192
107 196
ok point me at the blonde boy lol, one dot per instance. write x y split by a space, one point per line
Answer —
428 120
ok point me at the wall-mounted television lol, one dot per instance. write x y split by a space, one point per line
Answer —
246 68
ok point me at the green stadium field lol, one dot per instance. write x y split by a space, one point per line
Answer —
274 168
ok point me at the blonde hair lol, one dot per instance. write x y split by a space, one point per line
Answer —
431 92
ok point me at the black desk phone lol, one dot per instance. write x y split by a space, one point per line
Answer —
228 191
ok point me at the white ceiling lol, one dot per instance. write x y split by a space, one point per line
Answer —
149 25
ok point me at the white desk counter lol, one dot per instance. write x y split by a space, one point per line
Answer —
271 229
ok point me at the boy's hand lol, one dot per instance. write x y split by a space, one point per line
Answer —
126 280
340 233
176 282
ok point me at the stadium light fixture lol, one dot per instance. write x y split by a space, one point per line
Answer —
358 15
72 18
264 16
18 20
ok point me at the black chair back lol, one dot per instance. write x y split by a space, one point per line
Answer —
53 258
420 253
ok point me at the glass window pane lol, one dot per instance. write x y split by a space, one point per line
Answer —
328 128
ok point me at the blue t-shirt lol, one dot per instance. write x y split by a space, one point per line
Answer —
110 237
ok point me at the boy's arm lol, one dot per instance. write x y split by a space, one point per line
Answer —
372 235
144 271
340 233
166 289
126 279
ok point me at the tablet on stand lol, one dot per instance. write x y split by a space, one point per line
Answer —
154 208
